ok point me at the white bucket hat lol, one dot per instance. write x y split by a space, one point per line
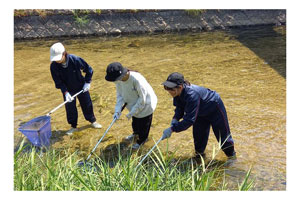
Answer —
56 51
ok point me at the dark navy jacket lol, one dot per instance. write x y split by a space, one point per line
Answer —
193 101
70 78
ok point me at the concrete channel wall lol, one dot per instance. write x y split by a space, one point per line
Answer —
65 24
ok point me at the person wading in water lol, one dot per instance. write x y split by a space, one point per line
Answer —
66 73
201 108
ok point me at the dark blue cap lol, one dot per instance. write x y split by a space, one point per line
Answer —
174 80
115 71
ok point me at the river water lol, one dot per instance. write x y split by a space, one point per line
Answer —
247 67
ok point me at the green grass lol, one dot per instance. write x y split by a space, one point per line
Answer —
56 170
195 13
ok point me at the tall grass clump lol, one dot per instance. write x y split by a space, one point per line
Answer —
55 170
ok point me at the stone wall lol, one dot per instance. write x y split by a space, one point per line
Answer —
120 23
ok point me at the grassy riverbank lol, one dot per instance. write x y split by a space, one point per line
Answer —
55 170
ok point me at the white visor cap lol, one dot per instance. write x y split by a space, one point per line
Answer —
56 51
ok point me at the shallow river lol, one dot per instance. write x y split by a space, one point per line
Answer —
247 67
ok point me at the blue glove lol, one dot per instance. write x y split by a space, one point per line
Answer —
86 87
129 116
167 133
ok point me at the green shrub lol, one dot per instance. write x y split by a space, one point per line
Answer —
195 13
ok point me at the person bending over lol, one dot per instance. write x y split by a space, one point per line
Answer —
133 89
66 73
201 108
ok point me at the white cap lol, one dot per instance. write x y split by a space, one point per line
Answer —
56 51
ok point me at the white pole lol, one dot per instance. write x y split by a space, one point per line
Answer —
149 152
63 103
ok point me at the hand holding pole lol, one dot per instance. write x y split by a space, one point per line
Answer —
63 103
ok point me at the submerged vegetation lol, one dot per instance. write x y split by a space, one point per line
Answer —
52 170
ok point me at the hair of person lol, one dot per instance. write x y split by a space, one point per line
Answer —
130 70
186 82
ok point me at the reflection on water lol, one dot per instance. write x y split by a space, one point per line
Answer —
246 67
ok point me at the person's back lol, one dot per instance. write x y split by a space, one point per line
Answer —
129 92
208 99
193 94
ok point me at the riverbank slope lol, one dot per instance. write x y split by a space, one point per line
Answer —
70 23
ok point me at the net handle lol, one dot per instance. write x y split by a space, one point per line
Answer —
52 111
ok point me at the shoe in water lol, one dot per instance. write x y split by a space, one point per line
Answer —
96 125
130 137
230 161
136 146
71 131
232 157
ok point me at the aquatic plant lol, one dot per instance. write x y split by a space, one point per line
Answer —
55 170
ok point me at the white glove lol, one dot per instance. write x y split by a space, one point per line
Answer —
128 116
69 98
117 115
167 133
86 87
174 121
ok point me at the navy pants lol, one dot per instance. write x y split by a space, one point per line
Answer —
219 122
141 127
86 107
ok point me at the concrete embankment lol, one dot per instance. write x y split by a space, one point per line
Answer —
67 24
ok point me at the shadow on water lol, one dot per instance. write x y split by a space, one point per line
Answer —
122 150
27 146
265 42
58 135
114 152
